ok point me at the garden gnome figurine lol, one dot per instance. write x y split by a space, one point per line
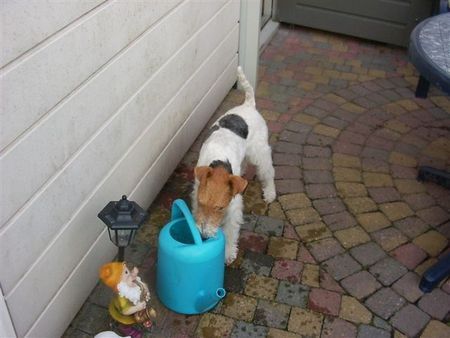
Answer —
129 306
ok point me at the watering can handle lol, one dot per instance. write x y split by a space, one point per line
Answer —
181 210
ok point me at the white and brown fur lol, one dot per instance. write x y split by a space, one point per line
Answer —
238 137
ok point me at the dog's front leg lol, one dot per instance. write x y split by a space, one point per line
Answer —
231 226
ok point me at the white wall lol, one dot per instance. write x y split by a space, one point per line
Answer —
98 99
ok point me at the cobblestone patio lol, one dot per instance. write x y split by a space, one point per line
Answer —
341 251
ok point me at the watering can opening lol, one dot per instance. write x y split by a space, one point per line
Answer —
181 233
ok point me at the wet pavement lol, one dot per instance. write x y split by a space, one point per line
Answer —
341 251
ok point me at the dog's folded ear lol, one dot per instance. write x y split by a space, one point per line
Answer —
202 172
238 184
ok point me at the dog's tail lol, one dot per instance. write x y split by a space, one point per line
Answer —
249 93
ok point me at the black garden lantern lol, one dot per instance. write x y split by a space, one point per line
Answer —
122 218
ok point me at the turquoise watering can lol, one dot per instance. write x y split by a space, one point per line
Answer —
190 270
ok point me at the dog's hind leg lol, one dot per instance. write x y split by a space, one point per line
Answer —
231 225
262 159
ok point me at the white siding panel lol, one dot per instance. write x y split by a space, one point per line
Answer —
26 23
124 176
55 318
153 95
70 124
58 315
32 86
157 175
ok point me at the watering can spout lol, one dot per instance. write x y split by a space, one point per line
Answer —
205 301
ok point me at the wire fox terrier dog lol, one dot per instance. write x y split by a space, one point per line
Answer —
238 137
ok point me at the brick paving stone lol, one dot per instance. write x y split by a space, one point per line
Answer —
293 294
213 325
249 240
373 221
380 143
367 331
291 137
239 307
316 163
388 270
348 136
436 303
249 222
398 171
396 210
349 189
389 238
327 206
384 195
410 320
304 255
282 248
374 165
411 226
306 323
346 148
261 287
348 161
247 330
381 324
271 314
353 311
409 255
275 211
409 186
287 270
361 284
92 319
312 231
444 229
276 333
402 159
287 172
257 263
289 186
336 327
374 153
385 303
432 242
408 287
335 122
310 275
358 205
352 237
341 266
419 201
420 270
326 130
269 226
286 159
317 176
294 201
368 253
316 151
327 282
434 216
320 190
319 140
324 301
376 180
306 119
436 329
287 147
340 220
342 174
234 280
303 216
325 248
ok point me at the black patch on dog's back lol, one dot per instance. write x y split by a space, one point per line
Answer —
218 163
236 124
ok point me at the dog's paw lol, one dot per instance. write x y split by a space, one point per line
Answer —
269 195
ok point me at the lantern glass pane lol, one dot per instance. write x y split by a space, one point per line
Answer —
123 237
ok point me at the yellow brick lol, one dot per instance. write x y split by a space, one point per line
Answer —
307 119
327 131
353 108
